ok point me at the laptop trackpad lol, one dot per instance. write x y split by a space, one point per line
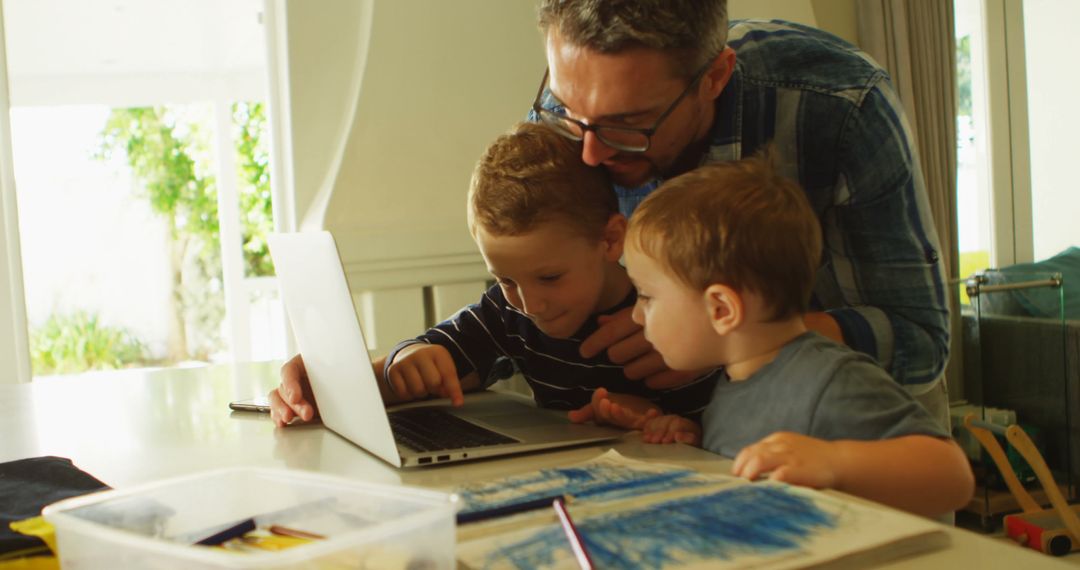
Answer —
503 414
519 421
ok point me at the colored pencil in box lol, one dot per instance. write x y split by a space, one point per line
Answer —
235 531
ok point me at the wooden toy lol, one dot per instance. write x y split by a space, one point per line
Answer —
1054 531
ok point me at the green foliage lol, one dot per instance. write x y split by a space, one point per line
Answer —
167 152
161 157
67 344
168 157
963 76
256 215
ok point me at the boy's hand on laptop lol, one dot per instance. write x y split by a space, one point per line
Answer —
672 429
625 343
292 399
425 370
791 458
621 410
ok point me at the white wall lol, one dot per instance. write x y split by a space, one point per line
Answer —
837 17
408 106
800 11
437 81
390 103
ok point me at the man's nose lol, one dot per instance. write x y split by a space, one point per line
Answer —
593 151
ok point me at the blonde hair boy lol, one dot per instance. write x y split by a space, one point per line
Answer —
527 177
551 235
724 258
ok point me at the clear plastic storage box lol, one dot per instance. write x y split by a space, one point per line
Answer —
155 525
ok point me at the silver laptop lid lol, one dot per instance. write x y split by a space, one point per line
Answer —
323 317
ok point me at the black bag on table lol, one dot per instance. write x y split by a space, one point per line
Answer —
26 486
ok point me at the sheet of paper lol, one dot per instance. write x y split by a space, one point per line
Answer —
607 477
633 514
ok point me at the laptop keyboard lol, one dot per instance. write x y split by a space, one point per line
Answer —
430 429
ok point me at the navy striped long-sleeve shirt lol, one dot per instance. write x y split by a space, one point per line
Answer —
494 339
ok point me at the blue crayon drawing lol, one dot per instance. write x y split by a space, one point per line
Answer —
593 482
744 521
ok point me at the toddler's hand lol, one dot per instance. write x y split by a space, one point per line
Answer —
672 429
423 370
791 458
621 410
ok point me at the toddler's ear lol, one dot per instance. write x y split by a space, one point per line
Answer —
725 308
614 237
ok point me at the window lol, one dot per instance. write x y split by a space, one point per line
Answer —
141 164
974 232
1015 197
1053 120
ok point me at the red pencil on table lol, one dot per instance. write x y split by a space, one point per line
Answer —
577 545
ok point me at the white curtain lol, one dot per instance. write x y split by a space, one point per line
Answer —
14 342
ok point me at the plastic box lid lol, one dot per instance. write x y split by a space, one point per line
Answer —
157 524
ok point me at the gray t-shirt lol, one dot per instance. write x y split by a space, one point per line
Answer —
814 387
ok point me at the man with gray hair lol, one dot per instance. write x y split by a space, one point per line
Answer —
654 88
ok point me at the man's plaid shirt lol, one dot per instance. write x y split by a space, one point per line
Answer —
838 127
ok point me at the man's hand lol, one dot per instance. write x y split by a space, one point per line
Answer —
625 343
672 429
423 370
621 410
791 458
292 398
824 324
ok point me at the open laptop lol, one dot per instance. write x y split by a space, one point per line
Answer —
324 321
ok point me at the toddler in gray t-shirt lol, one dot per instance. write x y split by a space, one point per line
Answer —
724 259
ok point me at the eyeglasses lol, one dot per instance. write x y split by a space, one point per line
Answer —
625 139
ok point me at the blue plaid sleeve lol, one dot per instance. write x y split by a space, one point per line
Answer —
881 245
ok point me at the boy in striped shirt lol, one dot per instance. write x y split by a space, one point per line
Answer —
550 231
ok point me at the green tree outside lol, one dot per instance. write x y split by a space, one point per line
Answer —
168 151
256 214
161 153
963 76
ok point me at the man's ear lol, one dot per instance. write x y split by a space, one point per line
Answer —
614 237
725 308
718 75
